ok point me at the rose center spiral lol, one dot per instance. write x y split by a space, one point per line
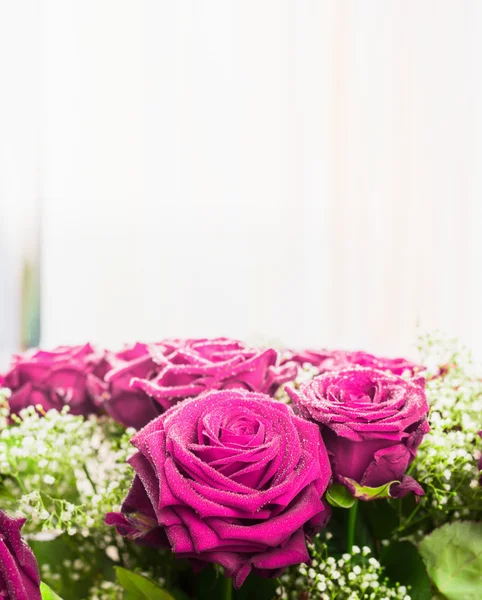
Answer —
241 431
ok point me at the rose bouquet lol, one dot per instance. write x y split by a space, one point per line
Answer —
208 469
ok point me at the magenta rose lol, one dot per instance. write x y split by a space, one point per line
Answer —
129 406
335 360
19 574
66 375
230 477
155 377
372 423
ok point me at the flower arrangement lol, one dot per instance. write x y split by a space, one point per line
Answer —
205 469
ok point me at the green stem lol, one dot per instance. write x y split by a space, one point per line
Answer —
227 589
350 537
87 474
19 481
410 517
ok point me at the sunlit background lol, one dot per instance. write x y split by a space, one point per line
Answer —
306 172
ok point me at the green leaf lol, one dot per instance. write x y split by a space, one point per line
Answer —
403 564
178 594
382 519
364 492
257 588
65 548
47 593
138 587
338 495
453 558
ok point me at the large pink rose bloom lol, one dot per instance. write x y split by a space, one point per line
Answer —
19 574
335 360
231 477
151 379
372 423
66 375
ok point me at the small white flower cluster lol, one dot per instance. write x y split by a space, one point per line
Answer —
88 560
447 461
62 472
305 374
4 409
66 571
352 576
107 590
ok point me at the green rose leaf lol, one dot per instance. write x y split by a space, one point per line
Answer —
404 564
257 588
338 495
47 593
381 518
138 587
364 492
453 558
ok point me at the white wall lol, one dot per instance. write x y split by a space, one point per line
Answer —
21 98
305 171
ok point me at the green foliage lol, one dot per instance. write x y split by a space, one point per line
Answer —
338 495
47 593
137 587
4 409
364 492
381 517
256 588
352 575
63 472
453 558
446 462
404 565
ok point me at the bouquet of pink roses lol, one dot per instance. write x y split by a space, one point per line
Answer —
207 469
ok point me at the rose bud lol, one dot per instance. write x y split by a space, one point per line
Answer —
372 423
19 573
230 477
65 376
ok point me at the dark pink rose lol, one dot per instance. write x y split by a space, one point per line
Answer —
129 406
230 477
66 375
372 423
19 574
155 377
335 360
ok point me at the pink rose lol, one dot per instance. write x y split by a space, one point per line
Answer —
19 574
230 477
335 360
153 378
372 423
129 406
66 375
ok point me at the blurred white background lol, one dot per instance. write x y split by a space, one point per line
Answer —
309 171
